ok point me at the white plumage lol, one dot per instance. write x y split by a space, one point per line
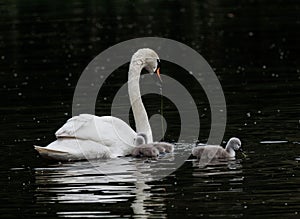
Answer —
90 137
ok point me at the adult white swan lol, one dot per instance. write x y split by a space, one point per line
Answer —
90 137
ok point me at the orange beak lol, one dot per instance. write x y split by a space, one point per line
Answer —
158 74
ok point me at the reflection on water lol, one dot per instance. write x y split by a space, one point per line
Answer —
265 183
119 180
124 180
106 182
220 178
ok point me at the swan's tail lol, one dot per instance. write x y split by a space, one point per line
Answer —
51 153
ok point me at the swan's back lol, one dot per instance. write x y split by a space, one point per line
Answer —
106 130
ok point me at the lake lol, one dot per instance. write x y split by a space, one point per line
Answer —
252 46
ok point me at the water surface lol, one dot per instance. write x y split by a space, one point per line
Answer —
253 47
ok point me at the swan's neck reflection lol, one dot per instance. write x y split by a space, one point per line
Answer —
138 205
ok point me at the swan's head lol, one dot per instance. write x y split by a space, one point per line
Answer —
149 59
234 143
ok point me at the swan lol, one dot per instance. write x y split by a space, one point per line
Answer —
91 137
216 151
145 149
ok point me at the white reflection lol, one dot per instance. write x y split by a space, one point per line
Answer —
219 167
108 182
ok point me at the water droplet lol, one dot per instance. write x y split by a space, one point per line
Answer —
250 34
2 57
230 15
182 10
15 75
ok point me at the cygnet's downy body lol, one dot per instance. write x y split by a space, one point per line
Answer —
216 151
163 147
144 149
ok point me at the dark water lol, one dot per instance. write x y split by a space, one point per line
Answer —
253 46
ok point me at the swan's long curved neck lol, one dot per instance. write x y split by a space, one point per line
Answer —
139 111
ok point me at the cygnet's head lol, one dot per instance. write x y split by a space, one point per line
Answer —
141 138
234 143
149 59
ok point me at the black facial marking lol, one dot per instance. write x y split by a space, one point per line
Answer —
158 63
